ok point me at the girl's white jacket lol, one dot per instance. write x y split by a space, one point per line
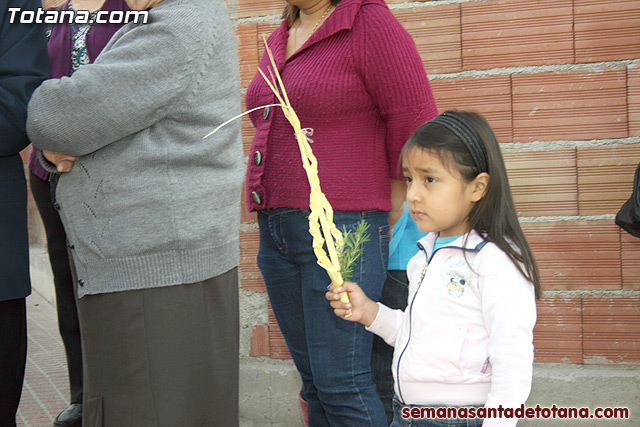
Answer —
466 336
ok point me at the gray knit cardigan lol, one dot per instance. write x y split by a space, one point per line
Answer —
149 203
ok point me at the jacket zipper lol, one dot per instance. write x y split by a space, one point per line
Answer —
422 275
486 365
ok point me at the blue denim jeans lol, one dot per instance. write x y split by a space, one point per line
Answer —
398 421
394 295
332 355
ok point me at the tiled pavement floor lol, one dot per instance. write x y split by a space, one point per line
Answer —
46 387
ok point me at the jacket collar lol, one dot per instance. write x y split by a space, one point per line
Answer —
341 19
471 241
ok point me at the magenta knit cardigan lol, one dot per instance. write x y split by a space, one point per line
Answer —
359 83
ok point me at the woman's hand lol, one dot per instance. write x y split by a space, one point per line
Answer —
361 308
64 162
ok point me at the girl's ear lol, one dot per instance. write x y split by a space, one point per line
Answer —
480 185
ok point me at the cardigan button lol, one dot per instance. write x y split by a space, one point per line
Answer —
257 158
256 198
81 283
265 113
56 206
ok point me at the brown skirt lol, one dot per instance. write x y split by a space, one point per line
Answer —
162 357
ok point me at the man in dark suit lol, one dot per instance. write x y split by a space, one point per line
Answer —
24 65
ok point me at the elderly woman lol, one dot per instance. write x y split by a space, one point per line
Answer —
151 213
354 76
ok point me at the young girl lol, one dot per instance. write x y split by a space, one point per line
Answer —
465 338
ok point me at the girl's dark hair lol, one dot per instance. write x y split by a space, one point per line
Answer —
291 13
494 217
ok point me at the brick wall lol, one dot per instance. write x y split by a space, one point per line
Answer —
559 80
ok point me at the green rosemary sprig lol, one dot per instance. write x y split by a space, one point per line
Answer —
351 248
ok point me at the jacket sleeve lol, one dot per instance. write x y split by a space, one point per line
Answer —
24 64
387 324
509 312
394 76
128 88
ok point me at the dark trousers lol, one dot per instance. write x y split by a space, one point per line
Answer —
331 354
13 357
394 295
65 297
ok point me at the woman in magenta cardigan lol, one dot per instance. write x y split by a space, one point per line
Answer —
70 47
354 76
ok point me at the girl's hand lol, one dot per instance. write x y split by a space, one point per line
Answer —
361 308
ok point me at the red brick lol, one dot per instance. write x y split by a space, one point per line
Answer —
630 249
260 341
277 344
249 8
611 329
489 95
557 337
607 31
633 89
436 32
605 177
501 33
264 31
247 40
568 105
574 255
543 183
250 276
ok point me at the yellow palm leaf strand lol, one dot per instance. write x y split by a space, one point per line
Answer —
321 226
